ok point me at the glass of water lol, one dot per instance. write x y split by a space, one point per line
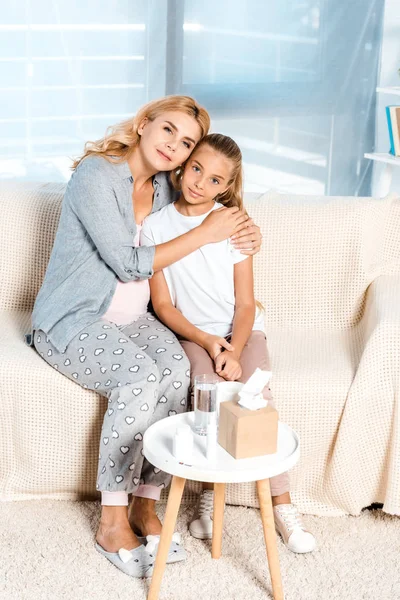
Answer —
205 402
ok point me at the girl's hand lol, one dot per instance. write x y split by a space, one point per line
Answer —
214 345
222 223
248 239
228 366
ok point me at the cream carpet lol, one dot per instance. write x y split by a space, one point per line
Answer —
47 553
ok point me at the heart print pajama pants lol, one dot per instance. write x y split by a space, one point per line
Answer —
145 375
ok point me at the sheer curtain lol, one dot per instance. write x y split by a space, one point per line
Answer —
292 82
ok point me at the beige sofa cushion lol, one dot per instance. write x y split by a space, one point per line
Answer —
319 256
30 215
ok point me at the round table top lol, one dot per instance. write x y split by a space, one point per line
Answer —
157 448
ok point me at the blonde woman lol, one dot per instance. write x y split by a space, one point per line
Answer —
90 319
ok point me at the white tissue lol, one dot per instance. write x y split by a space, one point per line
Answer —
251 396
253 402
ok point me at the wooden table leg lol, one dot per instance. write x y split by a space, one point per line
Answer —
267 516
218 519
174 501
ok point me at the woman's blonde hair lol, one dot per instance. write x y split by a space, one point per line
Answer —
122 138
233 195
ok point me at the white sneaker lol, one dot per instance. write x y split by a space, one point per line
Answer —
201 525
289 525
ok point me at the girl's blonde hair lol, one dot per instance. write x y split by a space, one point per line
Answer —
122 138
233 195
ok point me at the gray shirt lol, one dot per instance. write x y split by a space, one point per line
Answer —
93 248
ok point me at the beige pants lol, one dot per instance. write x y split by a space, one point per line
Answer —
255 354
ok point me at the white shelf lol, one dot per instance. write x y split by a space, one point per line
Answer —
384 157
389 90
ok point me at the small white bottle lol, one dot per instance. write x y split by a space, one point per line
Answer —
183 444
211 451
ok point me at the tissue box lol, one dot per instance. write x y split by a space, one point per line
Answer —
247 433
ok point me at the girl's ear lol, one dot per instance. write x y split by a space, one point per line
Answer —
142 125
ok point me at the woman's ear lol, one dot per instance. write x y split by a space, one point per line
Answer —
142 125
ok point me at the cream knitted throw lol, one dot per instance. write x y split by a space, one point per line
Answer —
329 278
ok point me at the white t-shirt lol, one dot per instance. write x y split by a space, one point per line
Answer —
201 284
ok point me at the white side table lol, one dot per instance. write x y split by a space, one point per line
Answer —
157 448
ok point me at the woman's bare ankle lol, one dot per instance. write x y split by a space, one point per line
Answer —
143 517
114 515
114 531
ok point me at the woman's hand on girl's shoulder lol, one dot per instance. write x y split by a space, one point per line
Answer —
248 239
222 223
228 366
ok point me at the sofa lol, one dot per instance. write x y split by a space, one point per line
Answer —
328 276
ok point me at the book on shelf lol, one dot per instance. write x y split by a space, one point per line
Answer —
393 120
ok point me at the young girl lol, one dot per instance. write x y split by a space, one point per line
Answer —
90 319
207 299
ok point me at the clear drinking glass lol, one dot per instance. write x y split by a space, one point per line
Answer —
205 402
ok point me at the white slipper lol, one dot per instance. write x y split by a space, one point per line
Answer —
176 551
137 562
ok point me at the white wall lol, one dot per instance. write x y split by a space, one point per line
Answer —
389 76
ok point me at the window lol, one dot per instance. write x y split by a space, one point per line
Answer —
293 83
